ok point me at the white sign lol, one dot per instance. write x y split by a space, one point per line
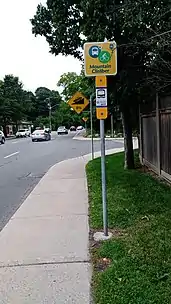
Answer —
101 97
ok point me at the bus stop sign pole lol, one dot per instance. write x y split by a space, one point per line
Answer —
101 113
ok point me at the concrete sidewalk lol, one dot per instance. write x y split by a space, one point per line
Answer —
44 248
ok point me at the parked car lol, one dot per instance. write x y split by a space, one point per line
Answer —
62 130
72 128
41 135
79 128
23 133
2 138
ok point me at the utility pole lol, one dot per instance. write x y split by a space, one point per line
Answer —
50 117
112 127
50 114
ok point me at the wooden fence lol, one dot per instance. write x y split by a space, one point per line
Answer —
155 136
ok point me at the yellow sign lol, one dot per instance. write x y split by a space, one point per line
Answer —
101 113
100 58
101 97
78 102
85 119
101 81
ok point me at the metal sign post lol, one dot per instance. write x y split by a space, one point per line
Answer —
101 112
91 123
103 173
85 121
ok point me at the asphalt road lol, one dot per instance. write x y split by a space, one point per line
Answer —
23 164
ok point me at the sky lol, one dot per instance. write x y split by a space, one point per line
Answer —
24 55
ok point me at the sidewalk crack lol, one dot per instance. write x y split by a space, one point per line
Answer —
45 263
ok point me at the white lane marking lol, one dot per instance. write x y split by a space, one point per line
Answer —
12 154
15 142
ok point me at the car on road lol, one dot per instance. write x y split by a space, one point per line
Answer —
79 128
23 133
72 129
62 130
2 138
41 135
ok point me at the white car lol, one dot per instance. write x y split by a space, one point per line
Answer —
62 130
79 128
23 133
41 135
2 138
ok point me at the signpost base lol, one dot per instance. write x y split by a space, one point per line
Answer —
103 173
99 236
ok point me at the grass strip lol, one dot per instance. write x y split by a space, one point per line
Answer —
134 267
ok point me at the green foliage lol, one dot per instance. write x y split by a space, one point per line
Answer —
71 83
41 122
139 252
12 101
68 24
43 99
16 104
142 32
64 116
58 22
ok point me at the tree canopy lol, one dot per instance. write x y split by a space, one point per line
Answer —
12 101
17 104
141 30
71 83
45 98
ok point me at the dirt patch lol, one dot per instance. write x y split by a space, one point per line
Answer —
100 264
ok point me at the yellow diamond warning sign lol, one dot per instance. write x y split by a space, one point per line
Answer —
78 102
85 119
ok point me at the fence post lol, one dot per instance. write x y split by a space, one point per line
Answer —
158 134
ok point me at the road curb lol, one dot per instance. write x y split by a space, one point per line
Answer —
121 139
10 138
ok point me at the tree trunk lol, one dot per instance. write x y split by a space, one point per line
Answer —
4 126
139 145
5 130
128 144
112 127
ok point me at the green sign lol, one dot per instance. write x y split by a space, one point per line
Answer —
104 56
